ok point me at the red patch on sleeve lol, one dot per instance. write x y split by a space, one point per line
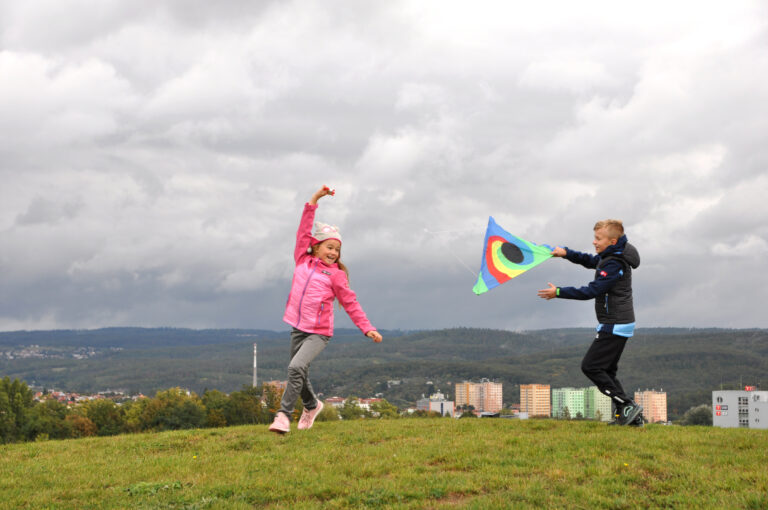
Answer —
603 274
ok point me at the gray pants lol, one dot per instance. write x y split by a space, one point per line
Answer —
304 348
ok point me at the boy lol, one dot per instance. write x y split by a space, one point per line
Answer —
612 291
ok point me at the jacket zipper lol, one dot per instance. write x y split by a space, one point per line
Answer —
303 292
320 313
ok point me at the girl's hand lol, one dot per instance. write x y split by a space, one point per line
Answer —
325 190
375 335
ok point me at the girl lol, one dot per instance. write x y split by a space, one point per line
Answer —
318 278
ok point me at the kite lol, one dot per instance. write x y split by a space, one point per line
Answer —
506 256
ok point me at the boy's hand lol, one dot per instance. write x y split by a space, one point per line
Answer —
559 252
375 335
325 190
549 293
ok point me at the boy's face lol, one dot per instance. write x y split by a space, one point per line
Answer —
602 240
328 251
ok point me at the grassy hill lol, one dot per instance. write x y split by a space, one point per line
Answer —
687 363
405 463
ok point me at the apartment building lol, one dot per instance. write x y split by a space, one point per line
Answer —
535 399
586 403
597 405
654 405
485 396
567 403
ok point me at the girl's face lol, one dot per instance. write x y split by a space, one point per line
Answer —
328 251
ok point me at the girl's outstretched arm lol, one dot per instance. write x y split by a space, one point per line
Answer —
325 190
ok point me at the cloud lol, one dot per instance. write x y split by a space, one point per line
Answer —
155 160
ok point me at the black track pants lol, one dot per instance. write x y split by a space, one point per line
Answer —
601 362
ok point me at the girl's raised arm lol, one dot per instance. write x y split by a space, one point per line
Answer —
325 190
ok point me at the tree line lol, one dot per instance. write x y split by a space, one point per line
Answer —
22 418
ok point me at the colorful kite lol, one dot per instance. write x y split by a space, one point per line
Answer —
506 256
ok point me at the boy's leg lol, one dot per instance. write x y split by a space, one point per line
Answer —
304 348
600 364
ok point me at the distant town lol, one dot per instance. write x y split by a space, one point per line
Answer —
485 399
731 408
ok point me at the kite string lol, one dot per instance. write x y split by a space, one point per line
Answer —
472 271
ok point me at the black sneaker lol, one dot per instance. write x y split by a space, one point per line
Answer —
639 422
629 413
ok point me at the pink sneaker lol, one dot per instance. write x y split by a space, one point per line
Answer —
281 425
308 416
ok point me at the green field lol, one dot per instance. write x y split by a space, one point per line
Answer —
405 463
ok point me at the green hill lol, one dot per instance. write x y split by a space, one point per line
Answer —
687 363
405 463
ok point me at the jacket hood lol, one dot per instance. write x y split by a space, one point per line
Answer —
627 251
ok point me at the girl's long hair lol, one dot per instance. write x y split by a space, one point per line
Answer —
342 266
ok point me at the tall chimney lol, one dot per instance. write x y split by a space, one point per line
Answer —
254 364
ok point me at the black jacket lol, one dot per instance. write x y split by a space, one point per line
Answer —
612 287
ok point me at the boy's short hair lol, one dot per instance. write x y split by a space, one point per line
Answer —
614 228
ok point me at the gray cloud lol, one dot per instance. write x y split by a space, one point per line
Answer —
155 161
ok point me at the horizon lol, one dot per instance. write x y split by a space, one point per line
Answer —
405 331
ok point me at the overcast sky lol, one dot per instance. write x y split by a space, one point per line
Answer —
155 156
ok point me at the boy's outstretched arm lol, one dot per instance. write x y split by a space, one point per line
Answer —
549 293
607 278
559 251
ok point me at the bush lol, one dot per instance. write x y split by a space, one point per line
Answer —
48 420
81 426
329 413
699 415
108 417
16 400
173 409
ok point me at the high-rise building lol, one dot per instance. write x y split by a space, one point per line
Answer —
535 399
568 403
492 396
654 405
597 405
586 403
485 396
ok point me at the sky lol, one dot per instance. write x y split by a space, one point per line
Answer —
155 157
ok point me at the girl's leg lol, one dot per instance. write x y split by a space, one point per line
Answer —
304 348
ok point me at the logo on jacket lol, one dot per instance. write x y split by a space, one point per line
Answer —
326 272
603 274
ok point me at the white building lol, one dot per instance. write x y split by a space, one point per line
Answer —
437 403
736 408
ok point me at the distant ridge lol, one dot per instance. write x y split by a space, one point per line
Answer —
688 363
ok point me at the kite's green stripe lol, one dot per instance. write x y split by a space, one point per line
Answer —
480 286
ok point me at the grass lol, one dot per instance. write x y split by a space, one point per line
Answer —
413 463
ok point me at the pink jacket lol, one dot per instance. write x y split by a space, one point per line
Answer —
315 285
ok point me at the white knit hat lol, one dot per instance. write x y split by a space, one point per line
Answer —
322 232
